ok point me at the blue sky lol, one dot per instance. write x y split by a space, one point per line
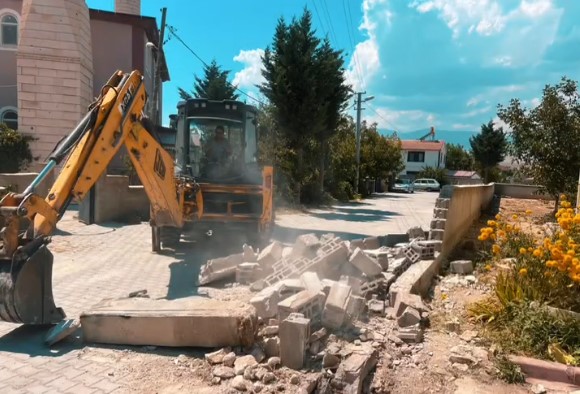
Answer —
442 63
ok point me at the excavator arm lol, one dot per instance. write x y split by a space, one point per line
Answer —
113 120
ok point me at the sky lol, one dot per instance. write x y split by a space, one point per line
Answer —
440 63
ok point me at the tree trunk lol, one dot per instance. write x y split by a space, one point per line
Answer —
322 165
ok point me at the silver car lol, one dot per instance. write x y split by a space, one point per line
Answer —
403 185
430 185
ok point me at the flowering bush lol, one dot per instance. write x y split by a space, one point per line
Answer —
545 270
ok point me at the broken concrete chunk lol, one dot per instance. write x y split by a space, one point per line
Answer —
229 359
355 307
464 267
247 273
239 383
216 357
294 334
223 372
352 372
311 281
220 268
412 334
371 243
409 317
272 346
365 264
416 233
270 255
376 306
380 255
244 362
184 322
266 302
404 300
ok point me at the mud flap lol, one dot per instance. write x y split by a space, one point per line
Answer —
26 290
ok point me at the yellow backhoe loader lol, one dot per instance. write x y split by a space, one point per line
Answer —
188 193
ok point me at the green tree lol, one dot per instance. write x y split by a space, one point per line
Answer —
489 148
15 152
305 84
546 138
458 158
213 86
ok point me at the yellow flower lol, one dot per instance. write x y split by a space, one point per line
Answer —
491 223
498 217
563 197
528 212
523 271
488 267
537 253
443 296
496 249
483 237
515 217
523 251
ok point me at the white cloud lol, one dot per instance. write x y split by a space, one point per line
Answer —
534 9
504 61
364 62
476 112
251 74
404 120
463 126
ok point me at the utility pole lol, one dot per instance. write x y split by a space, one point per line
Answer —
160 58
359 101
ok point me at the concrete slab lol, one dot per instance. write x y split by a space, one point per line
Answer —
196 322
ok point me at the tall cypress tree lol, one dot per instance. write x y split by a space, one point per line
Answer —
489 148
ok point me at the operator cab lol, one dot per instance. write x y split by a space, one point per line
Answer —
217 141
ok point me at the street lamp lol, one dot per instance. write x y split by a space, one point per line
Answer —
359 101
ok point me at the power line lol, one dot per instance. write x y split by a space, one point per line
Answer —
351 39
174 34
382 117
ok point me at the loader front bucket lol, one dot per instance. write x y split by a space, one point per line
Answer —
26 290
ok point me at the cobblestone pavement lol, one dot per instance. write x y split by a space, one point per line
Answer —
103 261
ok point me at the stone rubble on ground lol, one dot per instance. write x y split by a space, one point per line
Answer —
316 301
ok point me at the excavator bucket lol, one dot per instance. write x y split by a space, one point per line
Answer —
26 290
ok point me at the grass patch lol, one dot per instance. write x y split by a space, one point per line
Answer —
508 371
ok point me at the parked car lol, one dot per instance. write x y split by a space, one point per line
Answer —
427 184
403 185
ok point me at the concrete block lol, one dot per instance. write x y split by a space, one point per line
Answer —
327 284
399 265
464 267
438 224
286 252
435 244
380 255
294 335
425 251
307 303
372 286
272 346
410 254
412 334
336 304
442 203
371 243
352 372
440 213
436 234
191 322
354 283
355 307
376 306
306 246
289 287
266 302
417 278
409 317
311 281
365 264
356 243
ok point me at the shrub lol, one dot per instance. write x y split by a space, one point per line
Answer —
15 152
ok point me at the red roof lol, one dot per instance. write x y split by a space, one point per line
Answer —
413 145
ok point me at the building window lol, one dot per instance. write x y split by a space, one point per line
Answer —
8 30
416 157
10 118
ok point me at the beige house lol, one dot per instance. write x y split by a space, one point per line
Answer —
55 55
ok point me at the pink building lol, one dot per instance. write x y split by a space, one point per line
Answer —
55 55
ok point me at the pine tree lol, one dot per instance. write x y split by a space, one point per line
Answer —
489 148
213 86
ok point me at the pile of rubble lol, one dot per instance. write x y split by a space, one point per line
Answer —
313 299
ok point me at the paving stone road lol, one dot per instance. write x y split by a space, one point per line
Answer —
103 261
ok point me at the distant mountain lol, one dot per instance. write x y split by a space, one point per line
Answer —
460 137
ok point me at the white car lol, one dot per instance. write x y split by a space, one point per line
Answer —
427 184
